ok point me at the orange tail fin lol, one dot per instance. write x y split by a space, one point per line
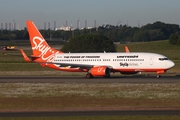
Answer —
40 47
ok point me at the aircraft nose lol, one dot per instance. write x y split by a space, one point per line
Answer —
171 64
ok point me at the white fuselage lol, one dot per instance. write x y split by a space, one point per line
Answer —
134 61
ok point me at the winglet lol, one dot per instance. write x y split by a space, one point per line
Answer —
126 49
25 56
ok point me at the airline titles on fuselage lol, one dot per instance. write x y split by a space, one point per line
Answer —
128 56
81 56
132 56
128 64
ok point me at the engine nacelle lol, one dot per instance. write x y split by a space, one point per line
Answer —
100 71
160 72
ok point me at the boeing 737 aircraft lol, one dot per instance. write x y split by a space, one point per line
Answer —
94 64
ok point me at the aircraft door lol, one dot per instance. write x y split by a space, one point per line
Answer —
151 60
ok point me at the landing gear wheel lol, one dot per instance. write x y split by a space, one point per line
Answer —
88 75
158 76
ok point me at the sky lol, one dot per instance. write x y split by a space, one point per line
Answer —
113 12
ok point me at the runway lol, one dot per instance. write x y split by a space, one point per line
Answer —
92 113
80 79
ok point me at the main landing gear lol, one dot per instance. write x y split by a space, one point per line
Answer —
89 75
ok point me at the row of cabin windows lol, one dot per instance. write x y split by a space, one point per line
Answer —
161 59
99 60
78 60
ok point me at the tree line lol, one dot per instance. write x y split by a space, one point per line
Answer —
89 43
118 33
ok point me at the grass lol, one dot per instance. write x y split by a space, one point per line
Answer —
26 42
74 96
161 47
79 96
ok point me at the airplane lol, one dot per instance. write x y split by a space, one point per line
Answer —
94 64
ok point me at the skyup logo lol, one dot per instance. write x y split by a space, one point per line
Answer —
45 52
124 64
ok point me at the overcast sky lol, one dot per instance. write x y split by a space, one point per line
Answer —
103 11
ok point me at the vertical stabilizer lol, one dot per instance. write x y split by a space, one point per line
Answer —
40 47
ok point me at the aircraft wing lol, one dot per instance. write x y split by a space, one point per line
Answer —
80 66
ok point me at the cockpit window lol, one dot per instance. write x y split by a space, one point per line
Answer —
163 59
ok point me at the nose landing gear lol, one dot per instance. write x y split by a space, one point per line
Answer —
158 76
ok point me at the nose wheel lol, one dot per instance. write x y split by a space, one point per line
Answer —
158 76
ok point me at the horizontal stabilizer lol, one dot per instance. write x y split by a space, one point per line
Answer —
25 56
34 56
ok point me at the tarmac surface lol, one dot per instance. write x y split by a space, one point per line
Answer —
92 113
79 79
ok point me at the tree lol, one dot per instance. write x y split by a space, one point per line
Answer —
89 43
173 39
178 42
12 36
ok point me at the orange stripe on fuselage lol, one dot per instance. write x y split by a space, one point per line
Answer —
140 70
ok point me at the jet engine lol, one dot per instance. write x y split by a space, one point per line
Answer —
100 71
160 72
